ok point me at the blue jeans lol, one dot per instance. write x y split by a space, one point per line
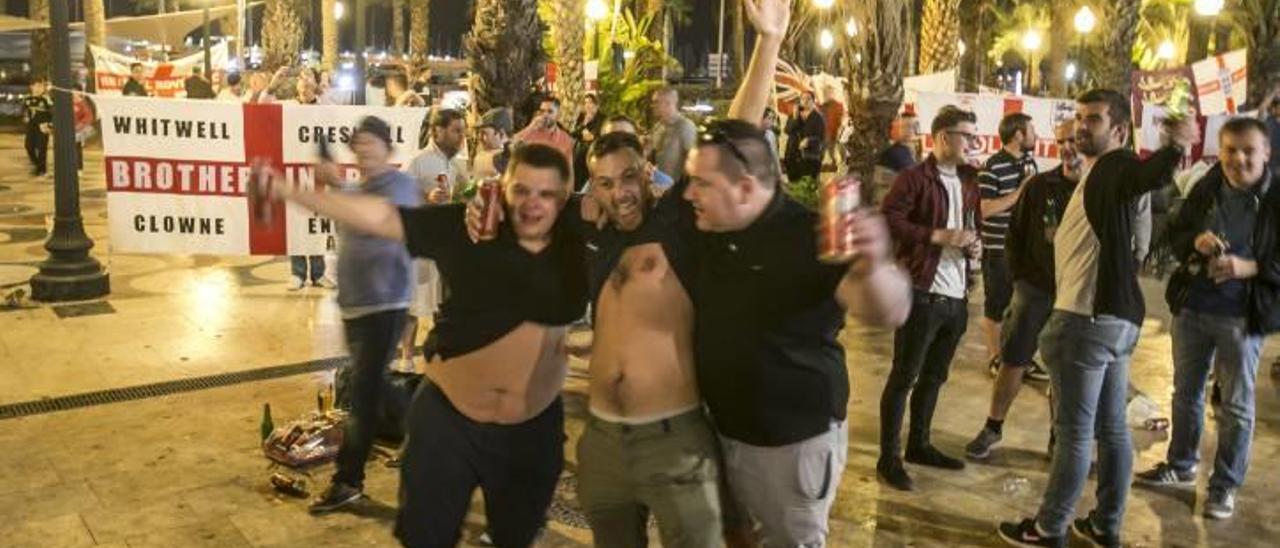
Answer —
298 265
1088 362
1199 342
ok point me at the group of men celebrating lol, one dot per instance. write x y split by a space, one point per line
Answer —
718 388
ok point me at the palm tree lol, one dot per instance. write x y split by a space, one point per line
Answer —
328 35
95 34
281 34
940 36
1262 19
738 40
419 18
567 35
1061 21
878 59
40 38
505 51
397 27
1114 63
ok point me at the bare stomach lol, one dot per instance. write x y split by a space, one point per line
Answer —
642 350
511 380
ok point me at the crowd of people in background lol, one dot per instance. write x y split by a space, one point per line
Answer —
715 353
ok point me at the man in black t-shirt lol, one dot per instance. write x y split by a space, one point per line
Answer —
491 415
134 87
769 365
39 120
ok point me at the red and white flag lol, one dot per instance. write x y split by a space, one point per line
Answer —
1222 82
178 171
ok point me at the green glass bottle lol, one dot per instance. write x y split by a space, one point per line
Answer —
267 425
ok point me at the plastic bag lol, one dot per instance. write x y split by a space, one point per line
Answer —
310 440
1140 410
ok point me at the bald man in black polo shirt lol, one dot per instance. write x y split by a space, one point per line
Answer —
769 364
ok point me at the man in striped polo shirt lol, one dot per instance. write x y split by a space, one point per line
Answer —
1000 183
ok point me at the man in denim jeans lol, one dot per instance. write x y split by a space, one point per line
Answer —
1094 325
1225 233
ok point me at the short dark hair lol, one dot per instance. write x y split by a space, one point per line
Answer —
591 97
399 78
1117 104
1011 124
444 117
950 116
612 142
134 65
233 78
757 157
620 119
540 156
550 99
1242 125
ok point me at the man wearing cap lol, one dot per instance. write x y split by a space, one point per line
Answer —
373 293
495 133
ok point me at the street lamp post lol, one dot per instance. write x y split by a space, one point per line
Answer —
70 273
361 62
720 48
1031 41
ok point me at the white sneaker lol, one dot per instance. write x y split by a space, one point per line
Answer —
295 283
327 282
1221 503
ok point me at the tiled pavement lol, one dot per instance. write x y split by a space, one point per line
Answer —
185 470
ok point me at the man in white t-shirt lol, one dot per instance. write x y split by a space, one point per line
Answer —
441 173
932 214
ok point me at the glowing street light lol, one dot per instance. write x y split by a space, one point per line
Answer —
339 9
1085 20
1165 51
1032 40
826 39
597 10
1209 8
823 4
1071 71
851 27
961 47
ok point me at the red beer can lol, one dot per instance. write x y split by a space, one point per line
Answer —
490 191
840 197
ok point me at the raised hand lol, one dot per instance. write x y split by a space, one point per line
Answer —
769 17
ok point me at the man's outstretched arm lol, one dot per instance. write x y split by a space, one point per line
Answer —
770 19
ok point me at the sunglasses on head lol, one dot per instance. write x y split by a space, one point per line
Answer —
714 133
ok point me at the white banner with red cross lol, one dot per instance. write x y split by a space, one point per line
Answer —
989 110
178 171
1222 82
162 79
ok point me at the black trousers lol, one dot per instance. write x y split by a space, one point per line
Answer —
448 455
37 143
371 341
922 352
798 168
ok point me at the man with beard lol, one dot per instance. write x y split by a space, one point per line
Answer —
491 415
544 128
1093 328
1029 247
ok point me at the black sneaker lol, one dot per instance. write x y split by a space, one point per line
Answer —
1221 503
895 474
1084 529
1036 372
931 456
335 497
1164 475
1025 533
980 447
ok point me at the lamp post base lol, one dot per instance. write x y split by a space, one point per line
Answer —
60 281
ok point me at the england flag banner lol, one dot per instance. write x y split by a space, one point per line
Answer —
989 110
1222 82
162 79
178 171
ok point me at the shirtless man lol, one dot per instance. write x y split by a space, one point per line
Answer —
645 409
491 415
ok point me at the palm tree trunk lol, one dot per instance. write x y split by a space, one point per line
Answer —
1264 48
1060 29
328 35
939 36
738 40
419 19
397 27
38 10
95 34
567 33
1115 61
874 86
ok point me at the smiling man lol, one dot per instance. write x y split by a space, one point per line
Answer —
491 415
